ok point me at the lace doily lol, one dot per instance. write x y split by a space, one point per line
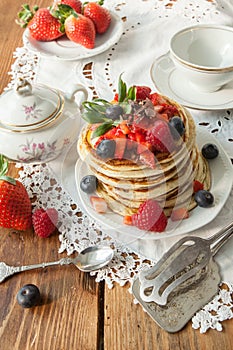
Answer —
145 22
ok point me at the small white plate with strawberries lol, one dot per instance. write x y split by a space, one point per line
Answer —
221 184
65 49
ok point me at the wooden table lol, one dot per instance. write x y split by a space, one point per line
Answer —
77 312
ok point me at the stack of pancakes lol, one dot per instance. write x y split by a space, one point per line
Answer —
125 184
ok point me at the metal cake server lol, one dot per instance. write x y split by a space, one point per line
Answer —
173 269
182 282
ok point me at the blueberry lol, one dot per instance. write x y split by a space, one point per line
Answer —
106 149
204 198
114 112
209 151
177 127
89 183
28 296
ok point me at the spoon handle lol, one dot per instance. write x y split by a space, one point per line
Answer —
7 271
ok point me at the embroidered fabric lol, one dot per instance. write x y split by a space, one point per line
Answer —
146 22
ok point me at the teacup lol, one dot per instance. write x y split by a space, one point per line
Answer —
204 55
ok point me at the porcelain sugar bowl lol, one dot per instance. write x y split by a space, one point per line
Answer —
38 122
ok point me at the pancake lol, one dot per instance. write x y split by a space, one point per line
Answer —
127 182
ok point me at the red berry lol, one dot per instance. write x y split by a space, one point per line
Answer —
159 136
44 222
179 214
75 4
99 204
15 204
147 158
80 30
43 26
142 92
100 16
127 220
197 186
150 217
157 99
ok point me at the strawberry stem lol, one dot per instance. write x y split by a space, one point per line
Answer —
62 12
25 15
4 169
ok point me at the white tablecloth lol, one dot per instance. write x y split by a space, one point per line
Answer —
148 26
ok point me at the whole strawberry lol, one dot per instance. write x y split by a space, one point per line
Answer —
44 222
100 16
77 27
40 22
150 217
15 204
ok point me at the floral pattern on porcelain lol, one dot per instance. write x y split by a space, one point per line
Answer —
40 151
32 111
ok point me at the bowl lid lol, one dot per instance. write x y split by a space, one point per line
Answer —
29 106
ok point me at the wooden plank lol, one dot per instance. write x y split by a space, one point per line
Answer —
127 326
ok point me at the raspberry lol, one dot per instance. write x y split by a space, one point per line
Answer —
44 222
159 136
197 186
142 92
150 217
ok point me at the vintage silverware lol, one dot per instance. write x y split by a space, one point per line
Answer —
90 259
182 282
174 270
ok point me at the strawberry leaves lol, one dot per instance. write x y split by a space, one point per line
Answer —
25 15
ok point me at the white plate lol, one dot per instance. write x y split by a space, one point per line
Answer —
221 177
65 49
170 82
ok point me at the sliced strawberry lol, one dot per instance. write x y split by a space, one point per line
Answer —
99 204
120 148
170 110
127 220
160 137
179 214
197 186
110 134
147 157
124 127
157 99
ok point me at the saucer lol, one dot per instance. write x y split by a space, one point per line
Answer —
170 82
66 50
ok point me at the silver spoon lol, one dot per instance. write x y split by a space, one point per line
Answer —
89 259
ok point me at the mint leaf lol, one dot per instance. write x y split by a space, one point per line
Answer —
132 93
122 90
102 129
